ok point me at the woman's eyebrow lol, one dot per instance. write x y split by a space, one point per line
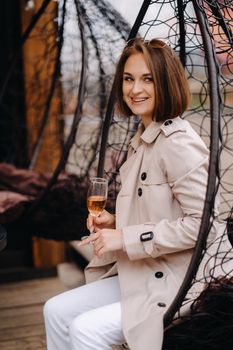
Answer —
144 75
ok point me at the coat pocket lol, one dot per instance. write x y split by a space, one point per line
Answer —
149 178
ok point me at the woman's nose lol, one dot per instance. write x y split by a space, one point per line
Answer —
137 87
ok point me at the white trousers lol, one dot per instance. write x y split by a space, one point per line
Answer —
85 318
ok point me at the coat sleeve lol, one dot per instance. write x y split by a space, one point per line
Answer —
184 161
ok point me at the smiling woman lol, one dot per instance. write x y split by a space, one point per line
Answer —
141 254
160 69
138 88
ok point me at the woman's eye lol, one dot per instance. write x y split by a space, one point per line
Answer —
128 79
149 79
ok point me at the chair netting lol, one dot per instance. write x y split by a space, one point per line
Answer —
78 70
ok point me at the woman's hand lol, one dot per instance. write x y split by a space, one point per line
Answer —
104 220
104 241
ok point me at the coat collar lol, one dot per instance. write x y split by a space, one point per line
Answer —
147 135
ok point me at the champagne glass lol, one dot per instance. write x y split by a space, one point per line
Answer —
97 196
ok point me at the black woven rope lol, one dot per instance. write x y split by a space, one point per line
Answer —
215 109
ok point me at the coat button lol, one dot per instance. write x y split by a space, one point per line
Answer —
143 176
168 122
161 304
159 274
139 191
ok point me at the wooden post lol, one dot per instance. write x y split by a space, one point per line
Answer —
39 55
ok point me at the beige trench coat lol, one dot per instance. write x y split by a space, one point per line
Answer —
163 191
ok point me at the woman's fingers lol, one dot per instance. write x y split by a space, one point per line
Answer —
97 250
98 245
89 239
103 221
104 241
90 223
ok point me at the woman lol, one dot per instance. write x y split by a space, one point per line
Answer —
144 249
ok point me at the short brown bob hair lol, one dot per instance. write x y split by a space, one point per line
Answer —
172 92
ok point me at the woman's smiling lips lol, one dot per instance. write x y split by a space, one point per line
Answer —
138 100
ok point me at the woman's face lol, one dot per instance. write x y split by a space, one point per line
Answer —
138 88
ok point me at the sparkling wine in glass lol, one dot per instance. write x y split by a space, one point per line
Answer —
97 195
